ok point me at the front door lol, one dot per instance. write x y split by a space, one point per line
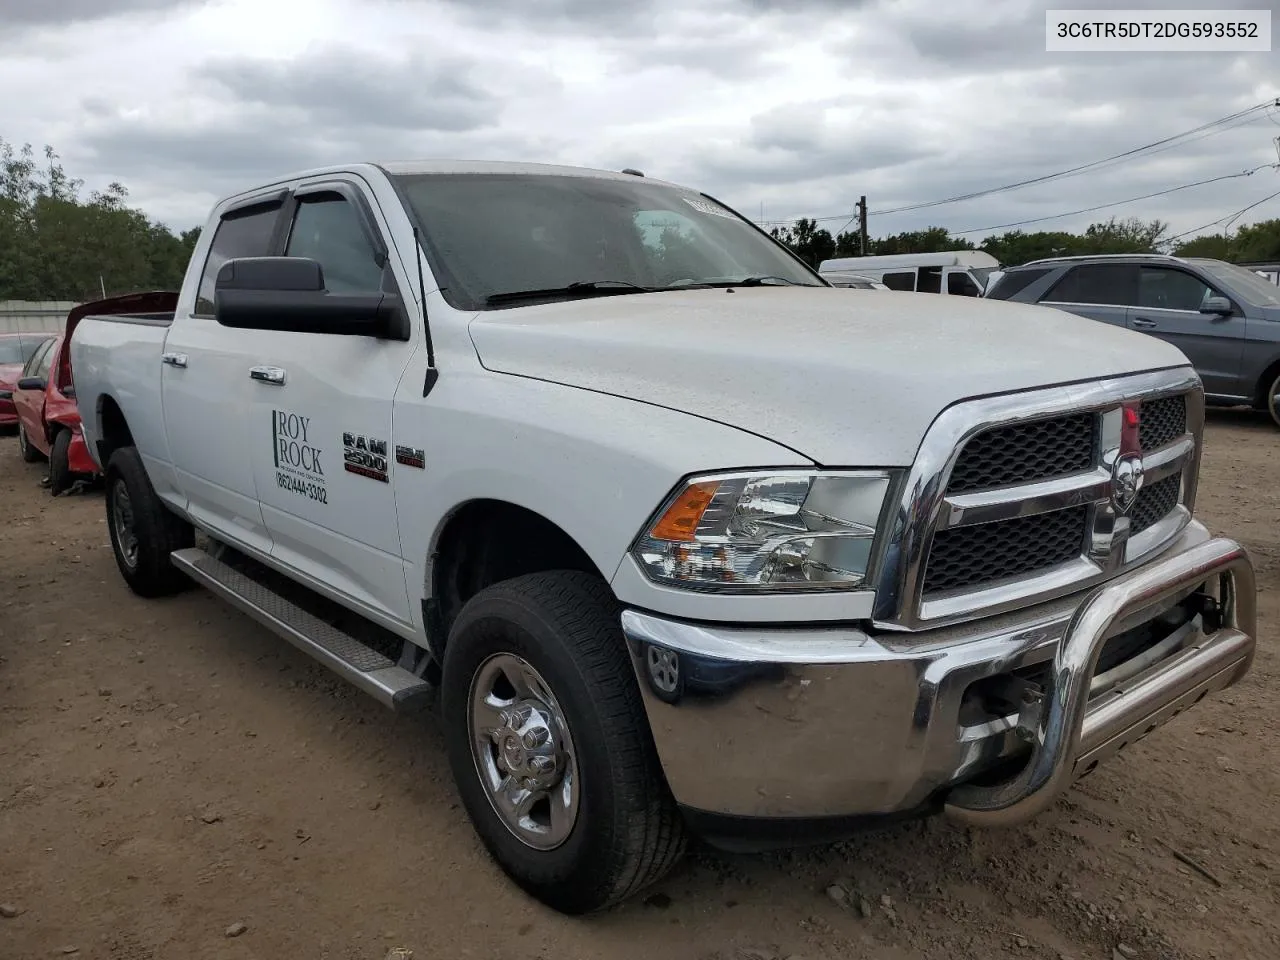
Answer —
205 388
1168 306
321 428
29 404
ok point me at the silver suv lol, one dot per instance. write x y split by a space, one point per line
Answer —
1226 319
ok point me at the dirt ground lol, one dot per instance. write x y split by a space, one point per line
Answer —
169 769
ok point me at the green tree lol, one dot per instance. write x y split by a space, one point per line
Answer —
930 240
56 244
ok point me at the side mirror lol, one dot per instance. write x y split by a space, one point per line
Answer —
288 294
1218 305
33 383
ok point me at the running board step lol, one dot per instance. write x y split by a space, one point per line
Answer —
342 653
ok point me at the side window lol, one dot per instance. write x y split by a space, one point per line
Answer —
1164 288
45 362
1110 284
930 280
900 280
33 362
327 229
962 285
241 233
1014 283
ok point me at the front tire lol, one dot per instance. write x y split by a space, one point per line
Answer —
143 530
29 453
549 745
1272 398
60 476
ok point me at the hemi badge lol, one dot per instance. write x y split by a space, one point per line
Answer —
411 456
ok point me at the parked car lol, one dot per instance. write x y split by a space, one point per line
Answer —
682 538
15 350
1225 318
48 419
853 281
956 272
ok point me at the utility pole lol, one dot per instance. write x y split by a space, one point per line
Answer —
862 223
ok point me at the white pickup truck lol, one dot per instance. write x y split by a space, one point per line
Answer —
676 537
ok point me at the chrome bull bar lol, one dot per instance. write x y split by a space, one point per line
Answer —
1068 735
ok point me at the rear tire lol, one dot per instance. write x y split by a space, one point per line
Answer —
143 530
60 476
29 453
1273 400
619 828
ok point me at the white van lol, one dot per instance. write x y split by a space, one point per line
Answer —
958 272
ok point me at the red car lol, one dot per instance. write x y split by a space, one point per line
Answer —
15 350
45 398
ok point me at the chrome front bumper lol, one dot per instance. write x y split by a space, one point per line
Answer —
816 723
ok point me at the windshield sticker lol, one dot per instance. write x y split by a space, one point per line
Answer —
411 456
299 468
706 206
364 456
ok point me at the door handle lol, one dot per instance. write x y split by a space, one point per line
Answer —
174 359
1143 323
268 375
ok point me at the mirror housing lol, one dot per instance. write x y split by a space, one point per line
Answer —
33 383
1218 305
288 294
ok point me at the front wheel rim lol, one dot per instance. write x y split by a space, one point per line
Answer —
1273 401
122 522
523 751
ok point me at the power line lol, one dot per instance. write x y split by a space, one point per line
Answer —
1230 218
1214 127
1117 203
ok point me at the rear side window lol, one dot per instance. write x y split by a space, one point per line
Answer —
902 280
930 280
1105 284
1011 284
241 233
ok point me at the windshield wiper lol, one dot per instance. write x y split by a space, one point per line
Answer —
591 288
752 281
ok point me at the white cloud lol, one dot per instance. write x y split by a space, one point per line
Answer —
798 106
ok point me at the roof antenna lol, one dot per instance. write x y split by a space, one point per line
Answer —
432 373
633 171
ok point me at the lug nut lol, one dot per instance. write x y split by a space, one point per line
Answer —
536 738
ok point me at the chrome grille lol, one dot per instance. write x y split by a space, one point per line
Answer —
1163 421
1154 503
1020 498
1023 452
964 556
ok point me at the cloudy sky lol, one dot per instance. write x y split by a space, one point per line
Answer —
793 107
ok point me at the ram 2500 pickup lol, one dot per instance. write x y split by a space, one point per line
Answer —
677 538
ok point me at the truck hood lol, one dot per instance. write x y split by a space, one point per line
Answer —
843 379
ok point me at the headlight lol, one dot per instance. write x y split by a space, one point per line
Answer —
766 532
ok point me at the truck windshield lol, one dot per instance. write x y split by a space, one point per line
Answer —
492 235
1247 284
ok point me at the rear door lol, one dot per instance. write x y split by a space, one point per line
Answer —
1099 291
207 394
321 423
1168 306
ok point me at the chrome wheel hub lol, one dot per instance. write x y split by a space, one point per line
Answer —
122 523
523 751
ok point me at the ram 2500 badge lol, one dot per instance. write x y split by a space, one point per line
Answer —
680 538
